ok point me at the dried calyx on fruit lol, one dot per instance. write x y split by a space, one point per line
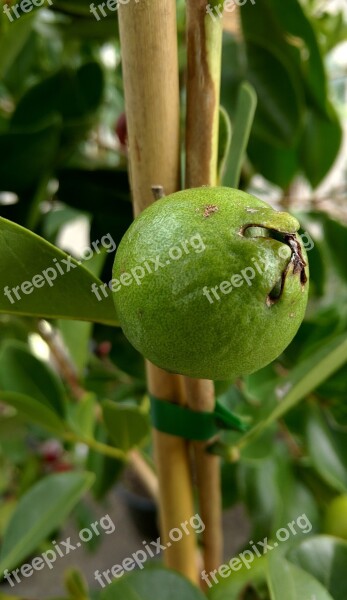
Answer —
294 251
211 283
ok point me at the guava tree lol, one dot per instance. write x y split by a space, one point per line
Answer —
226 107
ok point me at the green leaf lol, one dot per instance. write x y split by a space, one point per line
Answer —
335 234
302 380
258 488
122 353
223 142
107 470
34 411
280 104
233 72
40 512
259 385
77 334
318 269
56 219
13 328
273 495
88 30
74 7
83 188
327 448
27 156
334 391
13 41
239 580
11 597
273 73
153 582
301 35
128 426
67 296
230 494
278 165
82 416
332 29
319 146
243 121
76 585
288 582
279 115
324 325
280 108
294 38
22 372
295 126
71 94
326 559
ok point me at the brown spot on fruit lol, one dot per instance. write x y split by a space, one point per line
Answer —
210 209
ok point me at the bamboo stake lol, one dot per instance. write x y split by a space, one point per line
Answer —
200 396
175 483
203 83
150 71
204 44
150 67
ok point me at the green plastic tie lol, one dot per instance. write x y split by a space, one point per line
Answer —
189 424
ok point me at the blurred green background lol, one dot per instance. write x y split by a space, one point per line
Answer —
73 404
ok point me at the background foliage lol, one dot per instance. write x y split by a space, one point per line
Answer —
63 157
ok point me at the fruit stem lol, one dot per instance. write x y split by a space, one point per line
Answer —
148 35
202 132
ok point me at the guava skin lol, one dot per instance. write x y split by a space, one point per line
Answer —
169 319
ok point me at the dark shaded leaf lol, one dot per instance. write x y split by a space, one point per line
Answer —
31 154
23 373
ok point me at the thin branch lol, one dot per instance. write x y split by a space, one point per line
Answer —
63 364
69 375
146 474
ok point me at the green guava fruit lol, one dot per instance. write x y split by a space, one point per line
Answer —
211 283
